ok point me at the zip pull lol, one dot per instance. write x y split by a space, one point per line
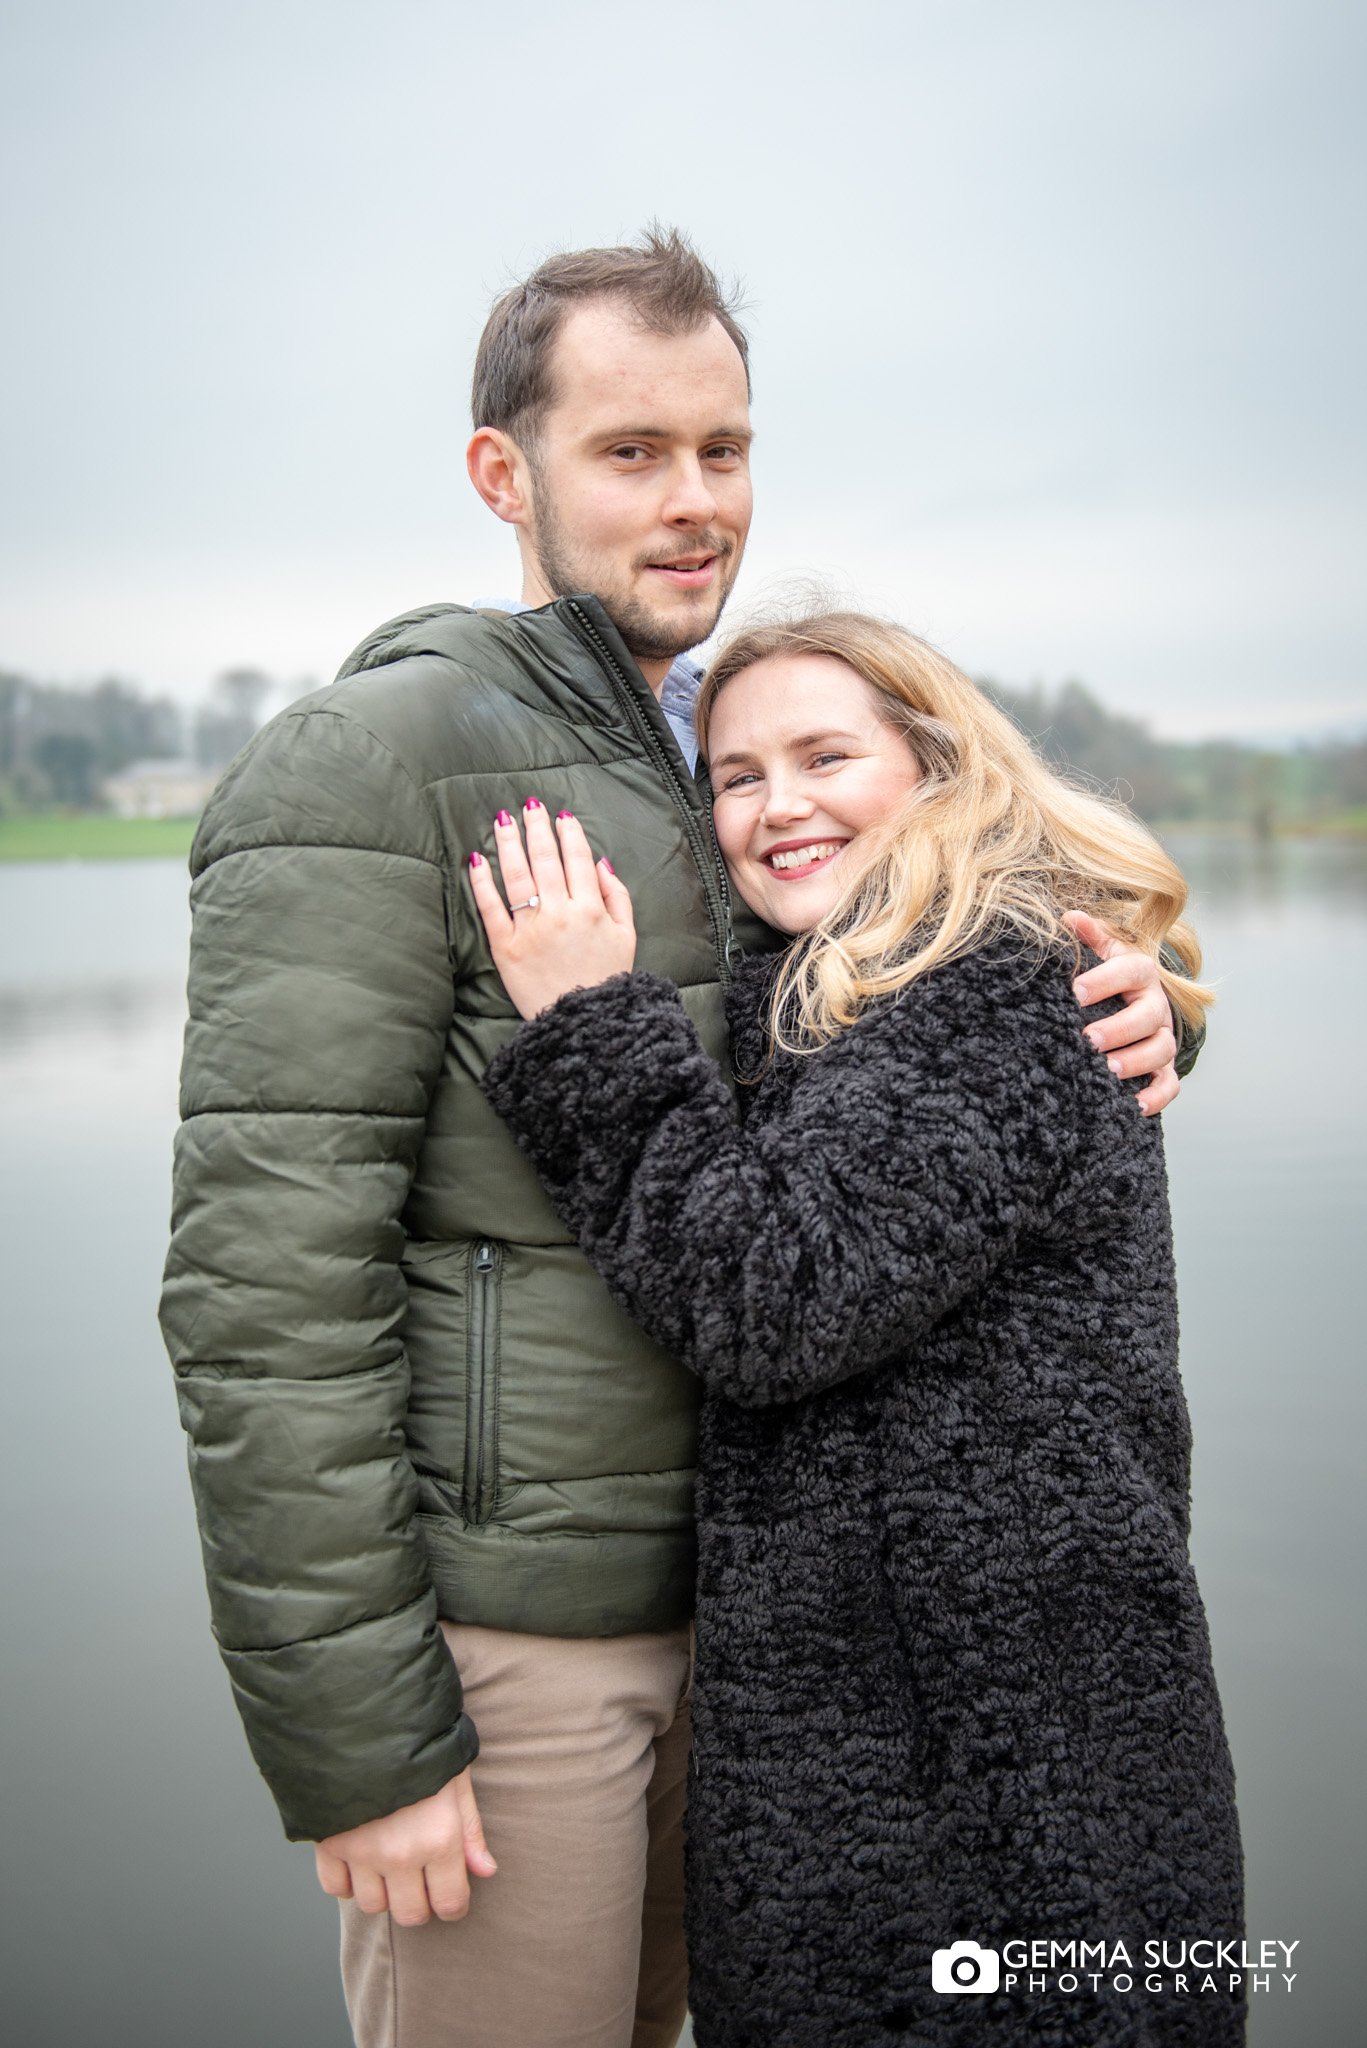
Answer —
484 1259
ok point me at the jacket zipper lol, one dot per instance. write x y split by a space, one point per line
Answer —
479 1398
707 860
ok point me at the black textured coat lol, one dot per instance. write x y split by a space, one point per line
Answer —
954 1678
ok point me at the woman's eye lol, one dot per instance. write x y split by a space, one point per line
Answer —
739 781
821 760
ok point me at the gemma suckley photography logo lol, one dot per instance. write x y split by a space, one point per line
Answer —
1173 1964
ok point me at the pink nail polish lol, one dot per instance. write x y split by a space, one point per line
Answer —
504 818
608 865
533 803
563 814
477 860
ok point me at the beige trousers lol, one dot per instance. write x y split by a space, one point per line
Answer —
577 1942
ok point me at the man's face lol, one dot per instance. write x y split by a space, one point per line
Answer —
641 478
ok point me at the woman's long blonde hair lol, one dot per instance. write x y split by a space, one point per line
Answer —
990 839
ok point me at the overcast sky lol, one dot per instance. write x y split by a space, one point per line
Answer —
1057 314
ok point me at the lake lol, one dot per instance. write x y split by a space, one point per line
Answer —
135 1815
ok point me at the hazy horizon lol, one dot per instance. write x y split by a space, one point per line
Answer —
190 695
1057 350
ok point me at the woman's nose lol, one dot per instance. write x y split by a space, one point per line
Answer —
786 801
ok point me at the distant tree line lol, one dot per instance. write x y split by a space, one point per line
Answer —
1211 781
58 743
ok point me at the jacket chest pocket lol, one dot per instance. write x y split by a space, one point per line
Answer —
480 1479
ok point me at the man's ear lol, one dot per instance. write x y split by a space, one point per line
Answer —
499 472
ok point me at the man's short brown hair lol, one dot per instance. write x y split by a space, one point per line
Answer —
662 280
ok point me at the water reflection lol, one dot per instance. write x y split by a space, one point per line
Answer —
1227 870
92 1010
134 1767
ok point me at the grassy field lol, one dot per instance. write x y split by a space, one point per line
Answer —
91 835
1351 824
1345 824
52 835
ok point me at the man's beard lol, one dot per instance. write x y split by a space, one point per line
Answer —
646 636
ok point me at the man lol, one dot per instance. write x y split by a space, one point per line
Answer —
423 1441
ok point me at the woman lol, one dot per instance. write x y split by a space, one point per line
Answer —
953 1677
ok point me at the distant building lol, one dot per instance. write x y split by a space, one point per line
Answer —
159 789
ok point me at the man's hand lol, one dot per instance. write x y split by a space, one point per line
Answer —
1138 1039
411 1864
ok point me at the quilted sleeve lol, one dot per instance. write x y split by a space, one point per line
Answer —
319 995
1190 1038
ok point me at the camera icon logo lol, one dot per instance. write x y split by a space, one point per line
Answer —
965 1967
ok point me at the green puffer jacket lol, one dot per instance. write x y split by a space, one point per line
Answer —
406 1391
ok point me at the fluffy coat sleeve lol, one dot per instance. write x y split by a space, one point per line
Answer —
910 1158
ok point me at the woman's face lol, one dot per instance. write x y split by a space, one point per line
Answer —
801 766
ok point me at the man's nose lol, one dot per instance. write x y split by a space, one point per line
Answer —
690 501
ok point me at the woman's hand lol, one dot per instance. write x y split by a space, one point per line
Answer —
579 929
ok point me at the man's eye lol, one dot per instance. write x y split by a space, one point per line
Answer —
724 451
629 451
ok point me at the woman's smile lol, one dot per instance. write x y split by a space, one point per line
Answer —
803 766
796 860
